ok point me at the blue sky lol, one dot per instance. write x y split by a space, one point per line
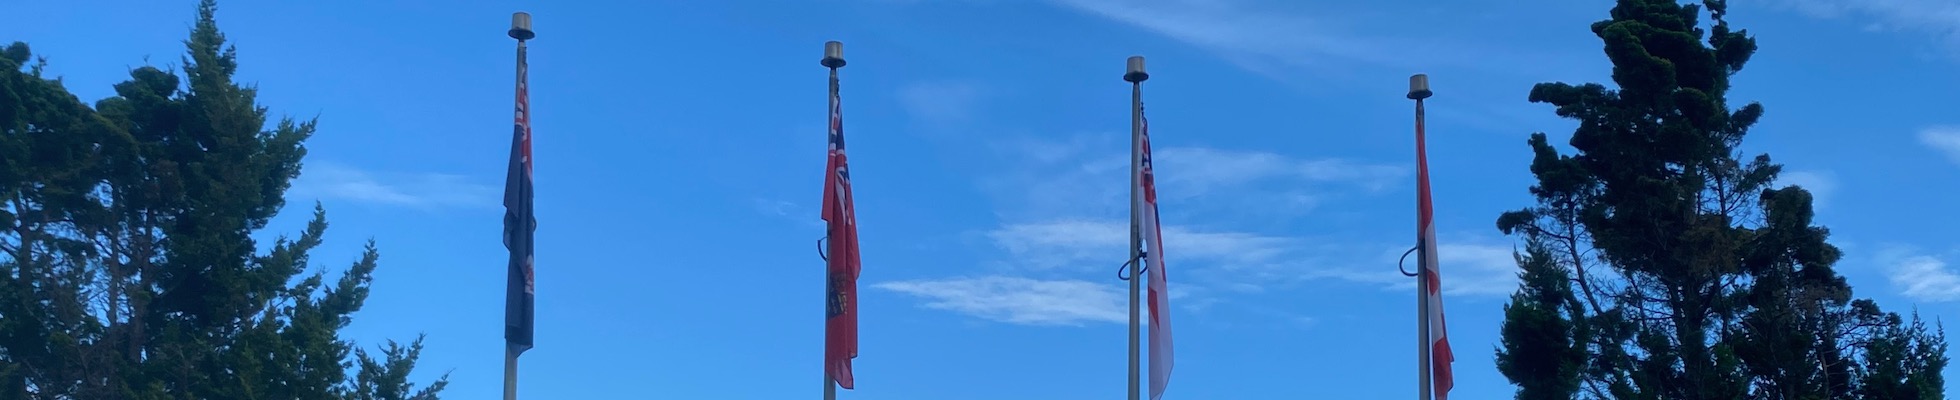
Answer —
680 147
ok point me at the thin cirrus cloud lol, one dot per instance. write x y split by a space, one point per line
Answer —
1920 276
1471 269
1063 205
1943 139
801 215
1323 44
1234 262
1080 248
1253 262
341 182
941 102
1079 178
1038 302
1081 243
1244 33
1199 169
1017 300
1276 37
1939 18
1926 279
1468 268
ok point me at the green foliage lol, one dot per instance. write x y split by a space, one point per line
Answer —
1904 362
1698 279
1543 347
387 378
129 269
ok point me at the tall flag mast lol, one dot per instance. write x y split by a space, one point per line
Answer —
1146 248
520 223
1147 230
841 256
1435 355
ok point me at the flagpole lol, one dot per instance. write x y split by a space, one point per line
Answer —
1419 90
520 29
833 59
1135 75
510 373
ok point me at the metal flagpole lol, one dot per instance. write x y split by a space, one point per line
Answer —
1135 76
1422 324
833 58
1418 90
520 29
510 373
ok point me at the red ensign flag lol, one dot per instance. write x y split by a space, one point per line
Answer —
840 325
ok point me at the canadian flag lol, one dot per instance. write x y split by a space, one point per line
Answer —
1437 337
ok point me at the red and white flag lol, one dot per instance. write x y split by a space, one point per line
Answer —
840 214
1159 289
1440 356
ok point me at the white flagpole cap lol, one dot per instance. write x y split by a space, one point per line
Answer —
520 26
1419 87
833 54
1134 73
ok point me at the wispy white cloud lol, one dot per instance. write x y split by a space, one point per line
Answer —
1246 35
775 207
1064 243
1821 184
788 210
1477 269
1063 204
1085 243
1199 169
1100 246
1943 139
1052 178
1277 38
1017 300
1923 277
326 180
1236 262
1250 262
1193 298
940 101
1939 18
1467 269
1086 175
1284 318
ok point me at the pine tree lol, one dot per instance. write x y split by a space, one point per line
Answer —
1544 337
130 271
1697 279
45 165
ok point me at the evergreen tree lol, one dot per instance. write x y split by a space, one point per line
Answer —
129 269
1543 347
45 172
1696 278
1904 363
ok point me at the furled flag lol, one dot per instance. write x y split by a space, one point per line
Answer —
840 325
519 226
1159 290
1440 356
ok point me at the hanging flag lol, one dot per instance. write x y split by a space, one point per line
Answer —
1159 290
840 325
520 225
1440 356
